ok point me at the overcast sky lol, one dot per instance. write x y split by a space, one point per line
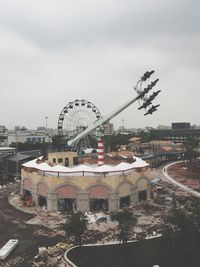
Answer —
53 52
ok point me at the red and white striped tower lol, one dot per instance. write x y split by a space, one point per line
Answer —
100 152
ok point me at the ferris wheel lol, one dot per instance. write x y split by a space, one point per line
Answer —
76 117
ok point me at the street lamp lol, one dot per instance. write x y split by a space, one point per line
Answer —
17 161
46 118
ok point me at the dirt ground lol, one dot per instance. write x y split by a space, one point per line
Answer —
13 226
189 178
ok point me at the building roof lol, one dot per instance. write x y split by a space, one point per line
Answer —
18 157
138 163
122 154
32 153
160 142
167 148
135 139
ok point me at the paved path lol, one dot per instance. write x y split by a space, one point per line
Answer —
181 186
71 264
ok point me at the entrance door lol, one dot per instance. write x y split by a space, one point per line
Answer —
142 195
27 198
67 204
124 202
98 204
42 201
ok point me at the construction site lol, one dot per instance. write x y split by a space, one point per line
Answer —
63 181
42 242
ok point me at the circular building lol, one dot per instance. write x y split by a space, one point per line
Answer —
60 184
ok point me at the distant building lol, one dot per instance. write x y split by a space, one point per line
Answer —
3 129
180 125
33 138
3 139
163 127
41 129
11 163
179 132
156 152
4 153
7 151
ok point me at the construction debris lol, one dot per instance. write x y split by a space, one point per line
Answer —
149 214
52 255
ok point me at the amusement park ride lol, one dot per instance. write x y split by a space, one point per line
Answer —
79 119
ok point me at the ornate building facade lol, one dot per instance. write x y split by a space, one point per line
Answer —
60 184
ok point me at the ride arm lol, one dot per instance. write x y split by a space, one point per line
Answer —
102 120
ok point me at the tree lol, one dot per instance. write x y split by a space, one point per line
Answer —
146 137
57 142
181 228
190 152
180 220
127 221
113 142
76 226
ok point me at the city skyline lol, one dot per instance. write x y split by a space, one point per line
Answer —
54 52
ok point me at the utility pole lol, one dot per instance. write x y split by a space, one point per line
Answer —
17 162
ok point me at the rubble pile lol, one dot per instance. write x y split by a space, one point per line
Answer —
51 256
94 236
12 262
18 203
49 220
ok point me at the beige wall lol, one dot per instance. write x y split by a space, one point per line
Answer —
61 155
84 182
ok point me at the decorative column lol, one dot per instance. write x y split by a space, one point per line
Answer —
113 201
21 189
134 195
83 201
52 202
149 195
35 194
100 152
